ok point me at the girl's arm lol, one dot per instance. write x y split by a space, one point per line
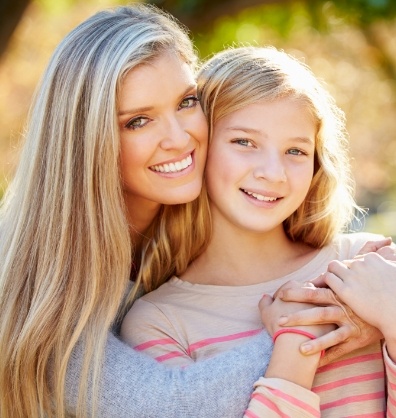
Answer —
286 388
134 385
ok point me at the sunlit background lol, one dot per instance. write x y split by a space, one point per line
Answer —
350 44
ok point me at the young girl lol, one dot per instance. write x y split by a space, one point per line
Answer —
279 187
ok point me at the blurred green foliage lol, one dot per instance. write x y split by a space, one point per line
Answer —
350 44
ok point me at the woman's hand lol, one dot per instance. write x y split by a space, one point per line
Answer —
273 309
368 285
352 332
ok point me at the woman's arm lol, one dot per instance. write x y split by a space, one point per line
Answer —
134 385
368 285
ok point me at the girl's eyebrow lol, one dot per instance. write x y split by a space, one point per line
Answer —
148 108
244 129
303 139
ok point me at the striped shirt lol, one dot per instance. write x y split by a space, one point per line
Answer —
181 323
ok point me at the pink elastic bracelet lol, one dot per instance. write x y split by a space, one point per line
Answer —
295 331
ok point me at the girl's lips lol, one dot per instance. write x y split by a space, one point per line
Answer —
261 197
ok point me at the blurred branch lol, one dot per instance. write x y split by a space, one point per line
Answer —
199 14
384 59
11 12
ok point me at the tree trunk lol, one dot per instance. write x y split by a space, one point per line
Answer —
11 12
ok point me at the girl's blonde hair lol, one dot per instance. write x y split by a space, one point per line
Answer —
239 77
65 247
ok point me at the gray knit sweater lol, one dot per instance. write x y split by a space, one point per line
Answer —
136 386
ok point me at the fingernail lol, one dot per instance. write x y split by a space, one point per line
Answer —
282 320
306 348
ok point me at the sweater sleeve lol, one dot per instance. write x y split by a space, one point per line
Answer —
134 385
274 398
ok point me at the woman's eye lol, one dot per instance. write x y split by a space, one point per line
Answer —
137 123
188 102
243 142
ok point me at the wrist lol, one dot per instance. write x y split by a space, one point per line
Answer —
288 363
298 331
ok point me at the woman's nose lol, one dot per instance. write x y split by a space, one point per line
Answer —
175 135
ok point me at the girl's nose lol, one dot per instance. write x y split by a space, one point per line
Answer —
270 167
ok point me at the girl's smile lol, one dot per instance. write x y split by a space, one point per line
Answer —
261 158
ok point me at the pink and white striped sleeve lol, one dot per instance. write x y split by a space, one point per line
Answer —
390 368
274 398
145 328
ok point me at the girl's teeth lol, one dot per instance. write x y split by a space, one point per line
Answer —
261 197
173 167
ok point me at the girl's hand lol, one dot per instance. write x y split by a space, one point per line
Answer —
352 332
274 308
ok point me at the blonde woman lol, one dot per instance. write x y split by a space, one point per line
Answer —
116 142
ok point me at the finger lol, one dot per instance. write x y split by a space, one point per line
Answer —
326 341
338 267
335 283
317 296
319 281
334 353
314 316
265 301
374 246
389 253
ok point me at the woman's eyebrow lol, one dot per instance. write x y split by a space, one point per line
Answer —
148 108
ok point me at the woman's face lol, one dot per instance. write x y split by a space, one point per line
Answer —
163 134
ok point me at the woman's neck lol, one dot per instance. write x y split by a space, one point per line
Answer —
140 214
238 257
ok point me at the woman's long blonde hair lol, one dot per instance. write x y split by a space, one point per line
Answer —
238 77
65 248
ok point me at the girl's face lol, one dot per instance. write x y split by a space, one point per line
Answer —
163 134
260 164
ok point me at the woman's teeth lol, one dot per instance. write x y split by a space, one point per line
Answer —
173 167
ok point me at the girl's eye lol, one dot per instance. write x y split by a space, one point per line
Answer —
296 151
137 122
243 142
188 102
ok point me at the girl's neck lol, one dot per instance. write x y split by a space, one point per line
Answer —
238 257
